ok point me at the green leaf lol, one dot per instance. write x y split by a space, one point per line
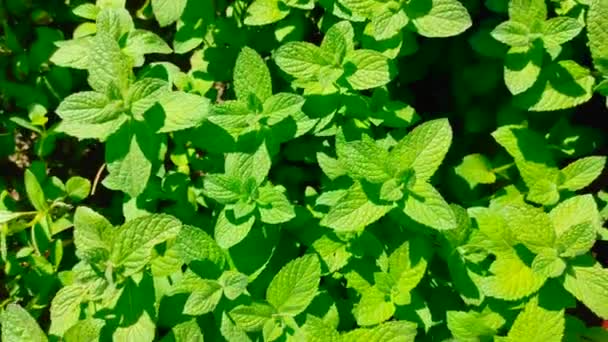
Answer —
73 53
280 106
264 12
78 188
65 308
423 149
425 205
363 159
295 286
233 283
388 24
182 111
301 60
204 296
574 211
34 192
512 33
522 67
254 165
560 30
582 172
373 308
92 234
251 76
367 69
597 33
142 42
439 18
512 279
108 66
590 286
535 323
133 242
390 332
338 41
274 205
476 169
230 231
532 156
222 188
194 244
168 11
577 240
88 330
472 326
188 331
317 330
89 107
354 211
562 85
548 264
252 317
129 170
362 8
528 12
91 131
19 326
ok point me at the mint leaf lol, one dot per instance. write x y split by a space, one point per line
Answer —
108 66
142 42
511 279
280 106
252 317
363 159
186 331
77 188
512 33
338 41
354 211
65 308
589 284
367 69
19 325
439 18
373 308
564 84
229 231
472 325
301 60
295 286
423 149
425 205
528 12
582 172
560 30
168 11
535 323
34 191
547 263
389 331
476 169
85 330
274 205
92 234
133 242
182 111
194 244
129 170
597 33
251 76
264 12
575 211
577 240
522 67
89 107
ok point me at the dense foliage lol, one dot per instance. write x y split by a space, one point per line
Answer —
303 170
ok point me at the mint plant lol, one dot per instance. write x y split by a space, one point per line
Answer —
300 170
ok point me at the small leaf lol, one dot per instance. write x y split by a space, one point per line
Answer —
512 33
78 188
19 326
168 11
582 172
295 286
34 192
251 76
